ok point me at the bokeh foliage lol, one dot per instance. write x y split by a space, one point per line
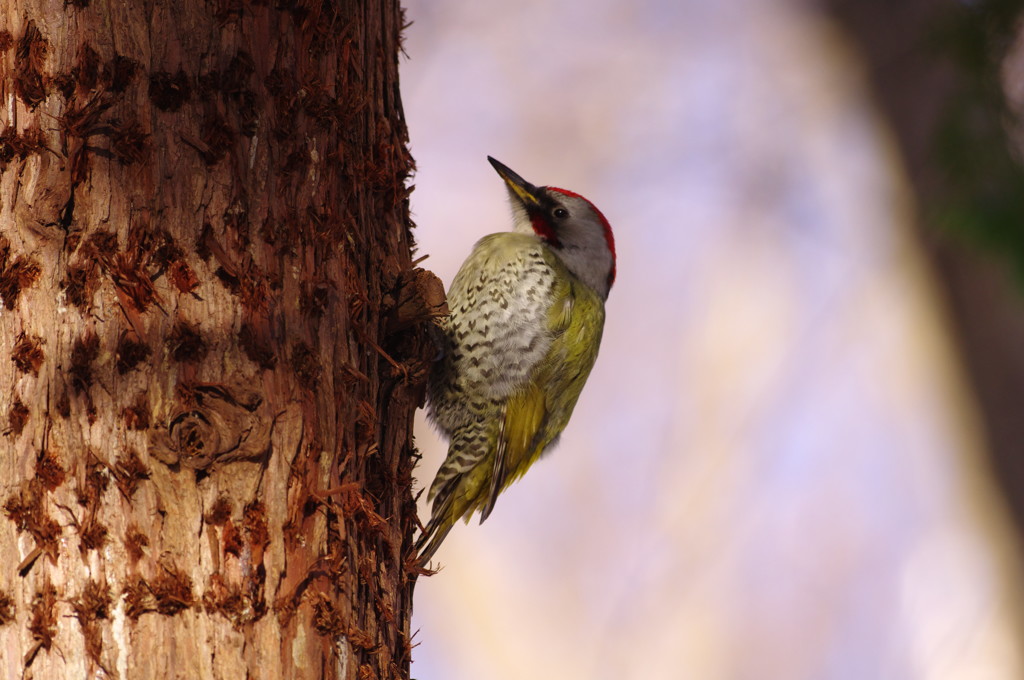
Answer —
977 144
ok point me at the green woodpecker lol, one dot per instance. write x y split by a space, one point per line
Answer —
527 311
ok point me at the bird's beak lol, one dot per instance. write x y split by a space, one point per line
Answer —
526 192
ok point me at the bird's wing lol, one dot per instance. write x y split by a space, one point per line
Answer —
538 411
525 413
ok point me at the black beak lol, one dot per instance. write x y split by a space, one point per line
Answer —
526 192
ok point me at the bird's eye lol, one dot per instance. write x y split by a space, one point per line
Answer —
561 213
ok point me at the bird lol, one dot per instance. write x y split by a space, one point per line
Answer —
527 311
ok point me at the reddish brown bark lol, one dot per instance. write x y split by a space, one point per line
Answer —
214 336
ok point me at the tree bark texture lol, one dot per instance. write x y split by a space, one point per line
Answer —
212 342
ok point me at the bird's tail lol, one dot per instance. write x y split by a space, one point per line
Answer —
460 485
430 541
441 522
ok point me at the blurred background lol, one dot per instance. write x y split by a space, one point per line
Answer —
801 453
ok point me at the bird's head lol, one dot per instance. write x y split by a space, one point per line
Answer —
569 224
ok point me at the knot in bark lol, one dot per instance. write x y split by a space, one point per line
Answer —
211 424
195 438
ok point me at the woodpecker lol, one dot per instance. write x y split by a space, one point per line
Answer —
527 313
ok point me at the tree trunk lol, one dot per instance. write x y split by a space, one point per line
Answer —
213 325
916 84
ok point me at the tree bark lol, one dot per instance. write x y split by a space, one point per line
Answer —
215 339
